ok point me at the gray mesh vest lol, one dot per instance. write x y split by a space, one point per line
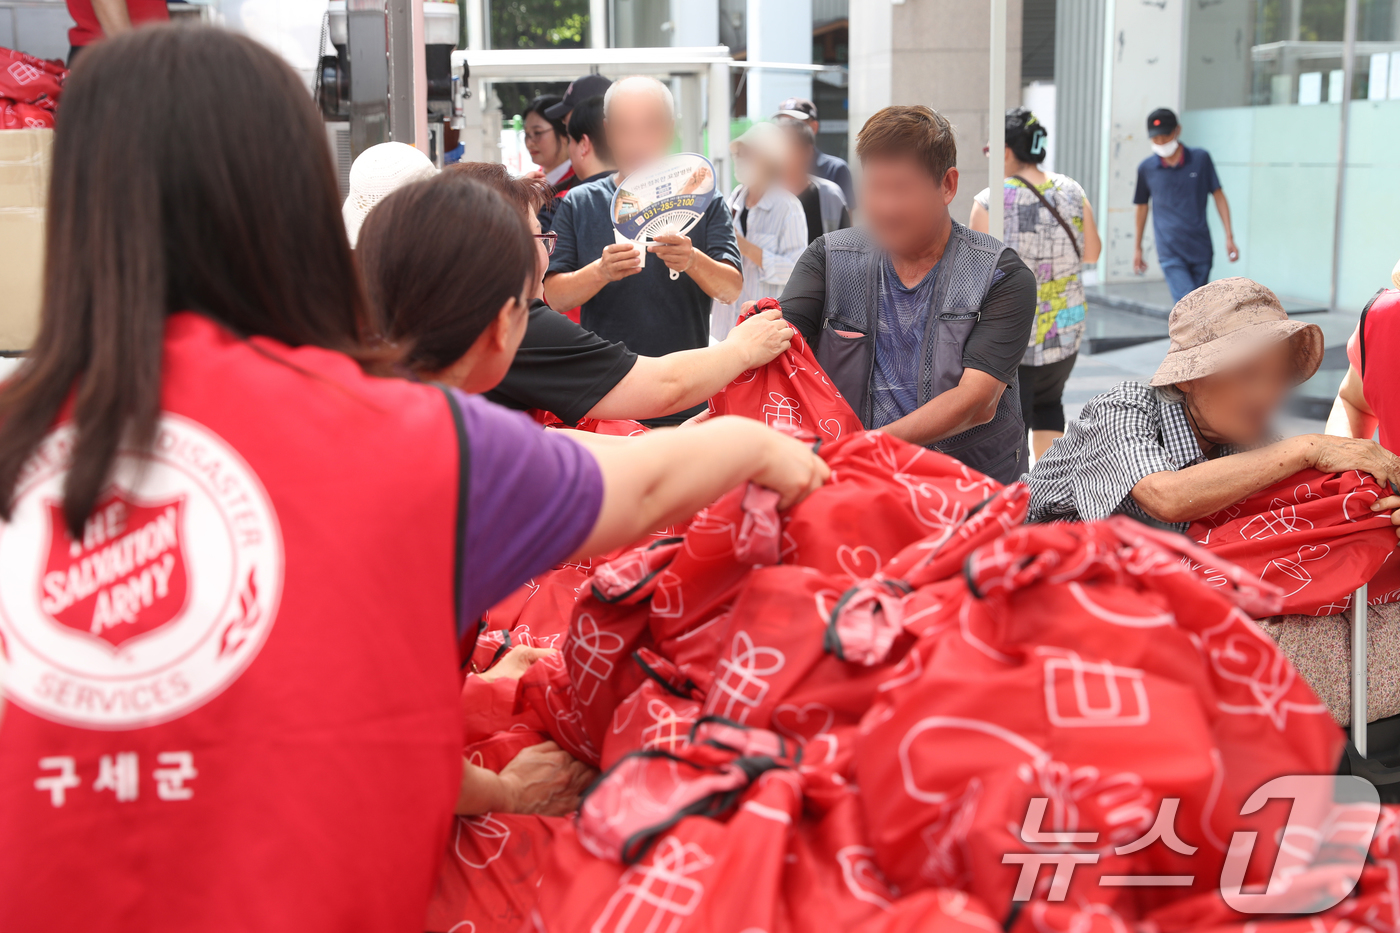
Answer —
845 346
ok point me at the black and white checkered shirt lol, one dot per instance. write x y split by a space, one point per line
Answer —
1129 432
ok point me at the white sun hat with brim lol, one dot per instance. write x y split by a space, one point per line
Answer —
767 141
377 173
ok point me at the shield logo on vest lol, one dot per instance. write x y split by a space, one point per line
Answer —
126 577
163 600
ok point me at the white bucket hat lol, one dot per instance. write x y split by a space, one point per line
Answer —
768 141
377 173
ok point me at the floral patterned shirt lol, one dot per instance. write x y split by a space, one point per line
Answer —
1035 234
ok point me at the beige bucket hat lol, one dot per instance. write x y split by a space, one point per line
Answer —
1228 321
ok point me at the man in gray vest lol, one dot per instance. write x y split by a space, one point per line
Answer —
919 321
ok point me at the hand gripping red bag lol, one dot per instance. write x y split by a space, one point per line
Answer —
792 391
1312 535
490 877
1090 670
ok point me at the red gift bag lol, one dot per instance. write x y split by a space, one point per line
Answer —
790 392
29 80
1312 535
490 876
1093 671
703 875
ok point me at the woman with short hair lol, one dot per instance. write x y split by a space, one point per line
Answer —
238 565
1049 223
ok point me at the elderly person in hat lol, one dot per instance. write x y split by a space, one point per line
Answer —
1197 440
770 224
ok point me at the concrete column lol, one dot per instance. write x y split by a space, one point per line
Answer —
597 23
696 23
1146 73
778 31
939 58
476 24
871 87
717 121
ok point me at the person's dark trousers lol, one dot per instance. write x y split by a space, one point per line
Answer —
1183 277
1042 394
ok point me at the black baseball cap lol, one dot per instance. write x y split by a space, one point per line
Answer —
798 108
1160 122
579 90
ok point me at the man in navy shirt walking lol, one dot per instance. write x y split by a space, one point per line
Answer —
1176 179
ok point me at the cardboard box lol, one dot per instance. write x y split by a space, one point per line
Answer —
26 158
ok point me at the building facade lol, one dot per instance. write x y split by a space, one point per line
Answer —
1304 145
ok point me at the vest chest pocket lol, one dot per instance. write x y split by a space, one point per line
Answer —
950 336
846 353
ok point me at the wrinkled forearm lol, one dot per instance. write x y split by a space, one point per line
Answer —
1206 488
481 791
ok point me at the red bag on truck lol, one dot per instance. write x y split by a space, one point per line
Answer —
1312 535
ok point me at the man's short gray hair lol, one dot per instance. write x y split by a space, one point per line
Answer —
645 84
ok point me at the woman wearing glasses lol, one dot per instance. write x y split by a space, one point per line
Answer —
547 141
559 366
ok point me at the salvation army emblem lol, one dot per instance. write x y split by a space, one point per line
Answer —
164 599
125 578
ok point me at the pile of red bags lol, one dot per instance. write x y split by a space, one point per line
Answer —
1313 536
874 711
29 90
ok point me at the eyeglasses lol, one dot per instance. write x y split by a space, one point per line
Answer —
548 239
537 135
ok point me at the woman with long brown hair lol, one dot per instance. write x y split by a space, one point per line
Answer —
236 564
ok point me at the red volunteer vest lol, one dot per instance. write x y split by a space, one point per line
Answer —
233 704
1380 347
87 29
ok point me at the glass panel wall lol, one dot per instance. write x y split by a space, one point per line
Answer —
1264 80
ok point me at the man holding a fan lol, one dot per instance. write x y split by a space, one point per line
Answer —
626 295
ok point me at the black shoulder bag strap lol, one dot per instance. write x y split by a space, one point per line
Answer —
464 485
1069 231
1361 329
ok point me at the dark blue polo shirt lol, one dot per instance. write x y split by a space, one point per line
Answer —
1179 195
649 312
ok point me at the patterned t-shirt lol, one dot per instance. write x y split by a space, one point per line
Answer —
1040 241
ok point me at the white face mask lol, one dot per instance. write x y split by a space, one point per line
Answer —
1167 149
